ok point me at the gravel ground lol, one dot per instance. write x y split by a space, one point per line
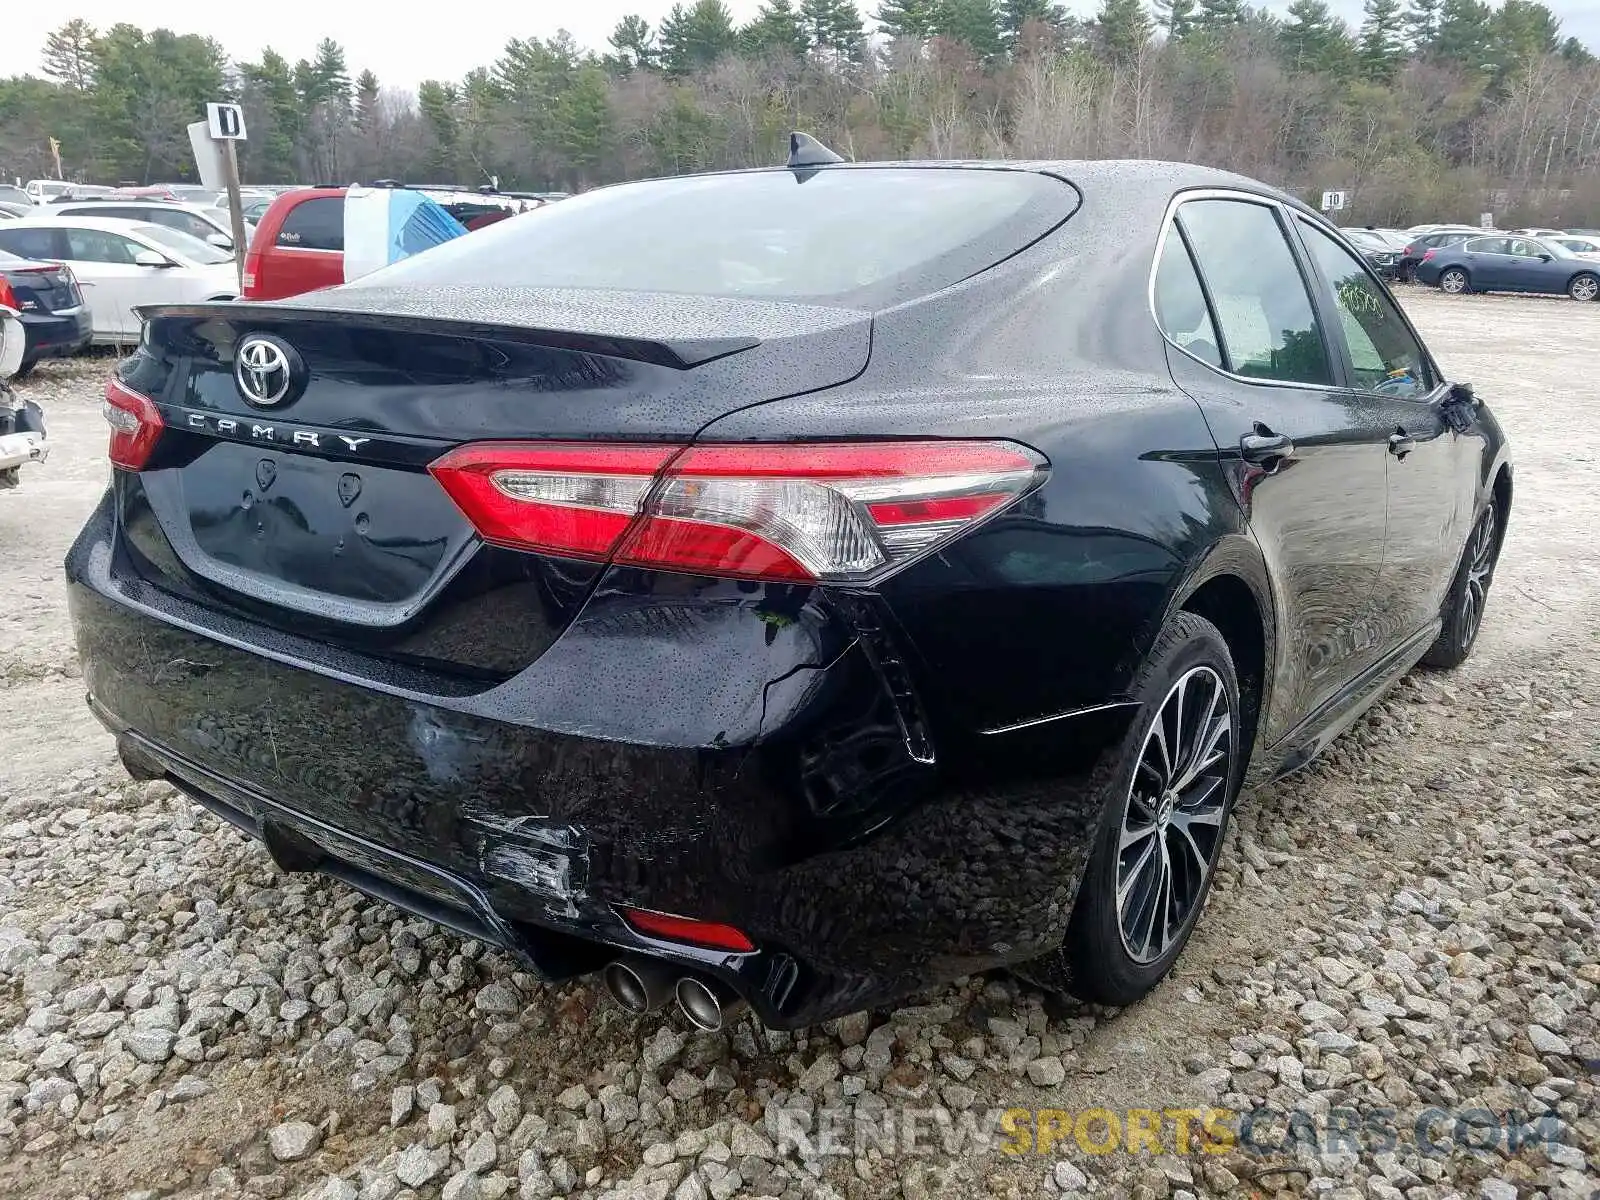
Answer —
1406 932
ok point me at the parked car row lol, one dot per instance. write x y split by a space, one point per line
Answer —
115 265
1468 258
1511 263
79 267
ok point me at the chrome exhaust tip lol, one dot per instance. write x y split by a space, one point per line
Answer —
637 985
708 1006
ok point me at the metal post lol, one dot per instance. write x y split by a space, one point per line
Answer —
230 172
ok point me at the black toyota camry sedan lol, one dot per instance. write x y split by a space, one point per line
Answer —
794 587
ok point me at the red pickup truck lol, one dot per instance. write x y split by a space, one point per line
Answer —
299 242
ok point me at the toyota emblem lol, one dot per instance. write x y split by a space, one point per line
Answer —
265 370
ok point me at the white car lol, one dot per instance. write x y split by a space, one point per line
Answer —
42 190
1579 244
208 224
122 264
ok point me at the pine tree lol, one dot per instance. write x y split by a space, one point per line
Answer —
1381 48
1177 17
69 55
973 23
1015 15
1314 39
272 145
1464 33
1124 27
634 42
1422 25
366 100
692 38
1213 16
776 28
833 27
331 76
905 18
436 105
1521 31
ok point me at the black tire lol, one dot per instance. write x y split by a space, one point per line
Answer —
25 368
1464 603
1099 960
1460 283
1584 287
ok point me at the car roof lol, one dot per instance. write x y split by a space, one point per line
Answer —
107 224
105 202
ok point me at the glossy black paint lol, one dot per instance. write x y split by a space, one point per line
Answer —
885 789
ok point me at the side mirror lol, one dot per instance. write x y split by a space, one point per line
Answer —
220 240
149 258
1545 258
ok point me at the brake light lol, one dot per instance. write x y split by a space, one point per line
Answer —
803 512
252 271
687 929
8 298
135 422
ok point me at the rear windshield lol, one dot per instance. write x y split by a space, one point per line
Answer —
314 224
185 244
861 237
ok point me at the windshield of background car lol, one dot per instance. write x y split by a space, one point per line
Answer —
857 237
191 248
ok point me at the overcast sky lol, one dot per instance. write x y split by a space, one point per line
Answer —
403 53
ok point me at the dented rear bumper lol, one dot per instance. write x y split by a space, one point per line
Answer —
756 756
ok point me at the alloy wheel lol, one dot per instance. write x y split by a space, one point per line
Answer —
1585 288
1480 565
1453 282
1173 817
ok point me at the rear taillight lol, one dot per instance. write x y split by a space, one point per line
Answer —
135 422
1427 254
1409 250
832 511
252 272
8 298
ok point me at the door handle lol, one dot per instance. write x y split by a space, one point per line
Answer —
1264 446
1401 443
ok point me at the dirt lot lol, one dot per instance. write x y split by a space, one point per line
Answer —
1411 926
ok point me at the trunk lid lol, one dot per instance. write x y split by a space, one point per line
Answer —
45 288
315 513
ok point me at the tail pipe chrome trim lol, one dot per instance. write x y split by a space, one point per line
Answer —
707 1004
637 984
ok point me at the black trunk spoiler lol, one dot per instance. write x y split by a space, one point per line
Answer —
666 329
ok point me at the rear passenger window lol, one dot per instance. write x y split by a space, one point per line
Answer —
1181 304
1384 357
1269 328
315 224
33 243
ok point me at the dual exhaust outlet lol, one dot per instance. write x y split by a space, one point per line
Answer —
641 985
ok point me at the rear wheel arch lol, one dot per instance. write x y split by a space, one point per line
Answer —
1232 605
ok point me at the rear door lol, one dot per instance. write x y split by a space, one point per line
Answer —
104 262
1306 458
1487 262
1430 471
